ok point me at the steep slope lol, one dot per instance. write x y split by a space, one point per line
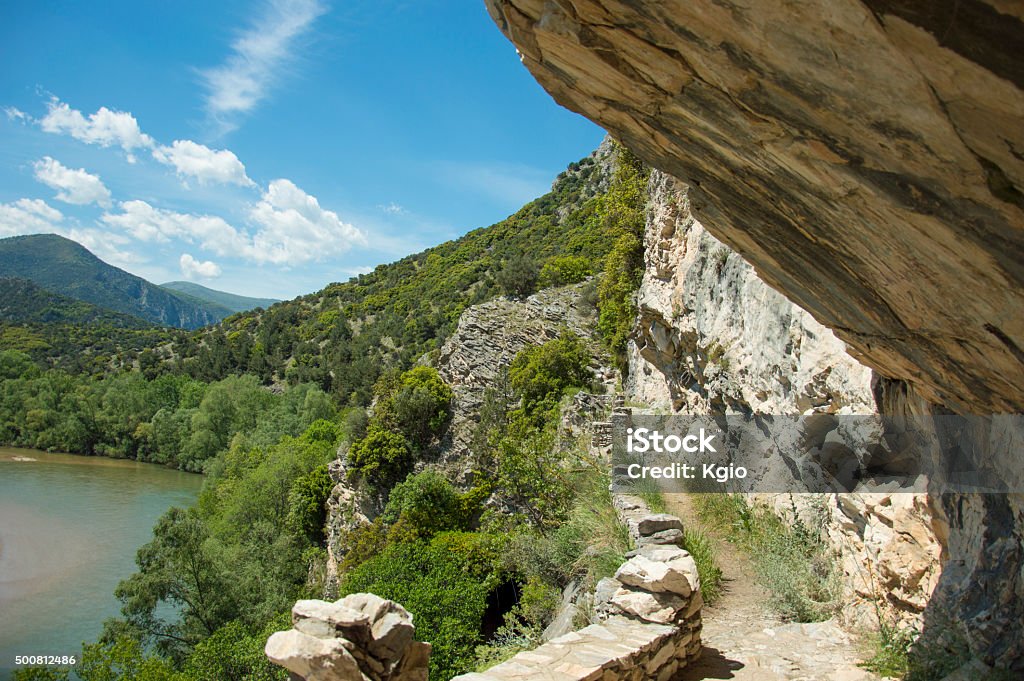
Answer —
229 301
69 269
343 337
864 156
24 302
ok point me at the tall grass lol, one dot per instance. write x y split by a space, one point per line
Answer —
790 558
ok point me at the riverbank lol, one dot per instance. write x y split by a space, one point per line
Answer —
70 526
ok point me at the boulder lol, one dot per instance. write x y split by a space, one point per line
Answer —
312 658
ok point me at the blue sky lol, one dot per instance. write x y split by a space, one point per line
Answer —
268 148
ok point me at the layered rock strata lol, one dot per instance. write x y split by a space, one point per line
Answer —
867 157
487 339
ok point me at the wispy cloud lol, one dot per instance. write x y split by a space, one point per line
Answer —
235 87
73 186
513 183
391 208
15 114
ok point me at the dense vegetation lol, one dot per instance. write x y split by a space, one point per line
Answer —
450 558
67 268
173 420
481 567
229 301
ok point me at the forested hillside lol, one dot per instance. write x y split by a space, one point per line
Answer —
264 401
65 267
345 336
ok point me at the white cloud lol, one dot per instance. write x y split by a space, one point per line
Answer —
191 159
242 81
35 216
105 127
146 223
192 268
28 216
291 228
294 228
73 186
104 245
15 114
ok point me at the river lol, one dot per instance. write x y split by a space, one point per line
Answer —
69 529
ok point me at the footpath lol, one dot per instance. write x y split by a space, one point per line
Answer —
744 641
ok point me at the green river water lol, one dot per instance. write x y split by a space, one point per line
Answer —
69 529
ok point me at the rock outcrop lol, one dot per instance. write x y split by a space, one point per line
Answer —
711 335
361 637
489 336
866 156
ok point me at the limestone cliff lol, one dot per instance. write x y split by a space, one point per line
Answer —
865 156
711 337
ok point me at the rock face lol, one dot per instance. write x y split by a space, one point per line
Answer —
866 156
490 335
711 335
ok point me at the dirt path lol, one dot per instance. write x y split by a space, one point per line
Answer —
744 641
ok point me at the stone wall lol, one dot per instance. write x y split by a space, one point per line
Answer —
648 615
648 623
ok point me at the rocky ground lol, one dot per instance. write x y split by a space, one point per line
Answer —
744 641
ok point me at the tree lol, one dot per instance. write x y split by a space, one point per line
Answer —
419 407
565 269
179 568
541 374
307 504
440 587
518 277
381 459
428 503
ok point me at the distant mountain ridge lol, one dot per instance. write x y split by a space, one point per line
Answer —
67 268
230 301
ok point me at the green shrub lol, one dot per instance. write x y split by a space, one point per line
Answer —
541 374
380 460
621 213
419 407
565 269
700 547
791 560
428 502
444 584
307 504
